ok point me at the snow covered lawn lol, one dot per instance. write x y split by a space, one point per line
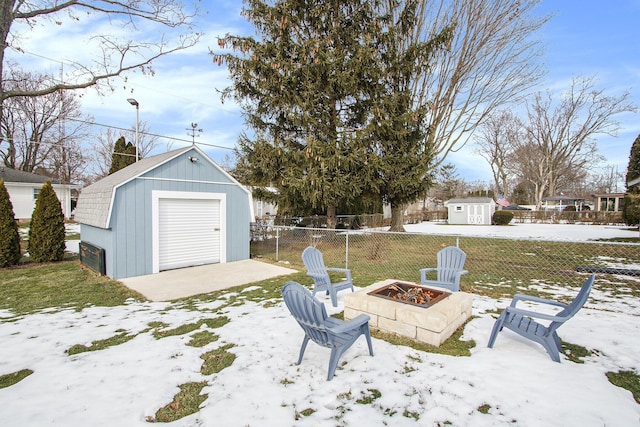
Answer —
515 383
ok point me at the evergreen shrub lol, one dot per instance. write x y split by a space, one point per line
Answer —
631 209
46 233
9 237
502 217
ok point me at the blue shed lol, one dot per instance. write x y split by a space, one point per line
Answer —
176 209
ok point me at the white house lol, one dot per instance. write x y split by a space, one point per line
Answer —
24 187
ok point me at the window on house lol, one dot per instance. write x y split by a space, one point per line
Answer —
36 193
458 208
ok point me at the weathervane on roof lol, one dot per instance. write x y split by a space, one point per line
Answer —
194 131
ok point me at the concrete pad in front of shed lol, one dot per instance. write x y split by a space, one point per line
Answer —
185 282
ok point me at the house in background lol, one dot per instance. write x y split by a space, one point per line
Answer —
263 209
609 202
24 187
561 202
471 210
173 210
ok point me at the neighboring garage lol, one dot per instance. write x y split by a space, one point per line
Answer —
173 210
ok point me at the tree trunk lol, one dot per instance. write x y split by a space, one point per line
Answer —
331 217
397 219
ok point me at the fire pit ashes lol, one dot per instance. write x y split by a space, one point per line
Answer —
409 293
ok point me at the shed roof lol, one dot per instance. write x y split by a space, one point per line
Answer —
471 200
94 205
8 174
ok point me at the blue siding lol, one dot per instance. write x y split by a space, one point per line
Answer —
101 238
131 219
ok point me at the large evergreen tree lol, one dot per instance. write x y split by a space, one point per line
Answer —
631 210
9 236
46 232
326 87
303 84
397 131
124 154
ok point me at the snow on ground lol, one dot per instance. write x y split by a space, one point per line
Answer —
124 384
556 232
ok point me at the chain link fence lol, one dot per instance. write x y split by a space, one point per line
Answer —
377 255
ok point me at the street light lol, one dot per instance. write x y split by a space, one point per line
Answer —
135 104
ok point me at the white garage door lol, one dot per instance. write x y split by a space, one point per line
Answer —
188 232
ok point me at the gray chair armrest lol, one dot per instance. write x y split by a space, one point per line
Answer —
350 325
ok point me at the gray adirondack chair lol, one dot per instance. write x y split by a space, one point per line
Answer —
314 262
326 331
449 269
522 321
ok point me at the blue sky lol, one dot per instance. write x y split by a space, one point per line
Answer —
583 38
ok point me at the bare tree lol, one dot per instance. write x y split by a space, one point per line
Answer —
558 140
606 179
113 55
491 61
35 129
68 163
496 138
104 144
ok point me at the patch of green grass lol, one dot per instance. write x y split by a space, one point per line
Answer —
628 380
369 397
8 380
409 414
200 339
157 325
101 344
66 284
484 409
190 327
186 402
390 412
216 360
574 352
215 322
307 412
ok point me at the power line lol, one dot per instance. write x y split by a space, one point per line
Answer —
149 133
93 123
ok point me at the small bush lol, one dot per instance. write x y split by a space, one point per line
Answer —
502 217
9 236
46 233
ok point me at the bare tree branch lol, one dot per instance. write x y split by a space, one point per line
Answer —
491 61
113 56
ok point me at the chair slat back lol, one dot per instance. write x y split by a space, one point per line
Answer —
450 261
308 312
575 305
314 263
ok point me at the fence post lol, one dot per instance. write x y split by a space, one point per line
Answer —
346 253
277 241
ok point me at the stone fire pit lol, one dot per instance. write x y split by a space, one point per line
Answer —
431 324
